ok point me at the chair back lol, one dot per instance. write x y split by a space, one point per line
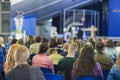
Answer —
56 68
50 76
105 73
89 78
46 70
1 69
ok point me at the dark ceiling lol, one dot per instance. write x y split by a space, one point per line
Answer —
46 8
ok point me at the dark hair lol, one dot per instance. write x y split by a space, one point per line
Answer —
44 39
110 43
13 41
32 41
43 47
29 39
85 64
99 47
79 43
60 41
20 41
53 43
92 42
38 39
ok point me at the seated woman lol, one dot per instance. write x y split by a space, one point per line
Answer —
9 64
105 61
114 73
85 65
41 59
110 49
21 70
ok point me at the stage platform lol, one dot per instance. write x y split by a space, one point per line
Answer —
113 38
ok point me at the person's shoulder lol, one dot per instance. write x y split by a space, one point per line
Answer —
34 68
11 72
62 59
98 64
69 59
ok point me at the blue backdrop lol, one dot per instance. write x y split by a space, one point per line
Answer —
29 25
114 18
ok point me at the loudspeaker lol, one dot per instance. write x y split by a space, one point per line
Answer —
5 17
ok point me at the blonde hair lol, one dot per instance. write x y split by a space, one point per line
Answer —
118 61
66 46
73 47
52 51
9 64
1 40
79 43
21 55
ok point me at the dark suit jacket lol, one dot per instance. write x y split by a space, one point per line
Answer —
26 72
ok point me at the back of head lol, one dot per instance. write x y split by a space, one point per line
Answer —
118 61
44 40
32 41
52 51
72 48
79 43
118 43
53 43
10 38
1 40
21 55
43 47
66 46
99 47
38 39
60 41
85 64
87 50
10 58
110 43
92 42
71 40
29 38
20 41
13 41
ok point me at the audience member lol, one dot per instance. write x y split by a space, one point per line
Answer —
29 38
34 48
114 73
41 59
85 65
52 44
105 61
110 49
2 46
104 40
55 56
20 41
118 46
91 40
65 64
65 49
80 45
7 45
60 43
9 64
21 70
13 41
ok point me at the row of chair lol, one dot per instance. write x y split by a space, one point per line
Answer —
48 71
50 76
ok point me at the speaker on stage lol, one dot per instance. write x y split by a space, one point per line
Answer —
4 17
